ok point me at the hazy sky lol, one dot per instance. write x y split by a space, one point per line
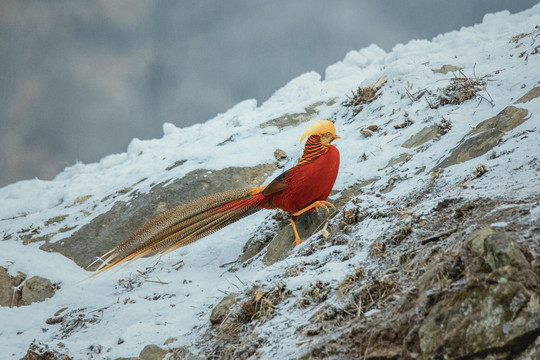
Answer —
79 80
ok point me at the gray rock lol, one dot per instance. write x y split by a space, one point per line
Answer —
353 191
109 229
530 95
501 251
485 136
9 294
219 313
487 318
475 241
472 148
445 69
36 289
506 120
426 134
396 160
281 246
6 289
496 314
152 352
252 248
296 118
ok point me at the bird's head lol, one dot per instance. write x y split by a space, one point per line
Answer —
324 129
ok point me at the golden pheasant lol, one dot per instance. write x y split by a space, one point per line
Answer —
301 189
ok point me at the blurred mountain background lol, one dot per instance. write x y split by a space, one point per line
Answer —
79 80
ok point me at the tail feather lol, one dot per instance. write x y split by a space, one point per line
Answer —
183 225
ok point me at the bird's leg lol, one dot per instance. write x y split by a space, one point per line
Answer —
315 205
297 240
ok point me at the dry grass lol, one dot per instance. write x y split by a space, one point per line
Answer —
377 249
364 95
516 38
351 280
461 89
444 126
314 294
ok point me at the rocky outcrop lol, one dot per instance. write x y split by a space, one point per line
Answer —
485 136
296 119
426 134
9 294
530 95
15 291
109 229
496 312
476 299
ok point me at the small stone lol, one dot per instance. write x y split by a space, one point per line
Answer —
445 69
54 320
152 352
169 341
219 313
398 159
366 132
373 127
280 155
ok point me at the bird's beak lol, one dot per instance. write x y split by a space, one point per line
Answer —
336 137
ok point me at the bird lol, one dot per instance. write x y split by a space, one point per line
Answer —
299 190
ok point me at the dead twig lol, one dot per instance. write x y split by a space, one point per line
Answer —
438 236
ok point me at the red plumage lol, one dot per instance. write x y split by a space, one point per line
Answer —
301 189
307 183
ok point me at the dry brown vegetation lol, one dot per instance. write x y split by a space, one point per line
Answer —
364 95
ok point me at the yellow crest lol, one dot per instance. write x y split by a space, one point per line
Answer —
319 127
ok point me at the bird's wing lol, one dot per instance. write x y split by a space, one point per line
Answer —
278 184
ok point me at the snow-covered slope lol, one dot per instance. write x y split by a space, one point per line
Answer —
500 56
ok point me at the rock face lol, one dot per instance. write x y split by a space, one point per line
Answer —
35 289
485 136
426 134
9 295
280 247
500 314
530 95
109 229
296 118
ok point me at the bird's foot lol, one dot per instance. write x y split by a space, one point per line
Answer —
298 241
315 205
325 205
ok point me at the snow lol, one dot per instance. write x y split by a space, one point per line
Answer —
185 297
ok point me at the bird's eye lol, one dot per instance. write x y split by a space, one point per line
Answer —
328 134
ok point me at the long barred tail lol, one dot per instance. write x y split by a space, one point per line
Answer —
183 225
